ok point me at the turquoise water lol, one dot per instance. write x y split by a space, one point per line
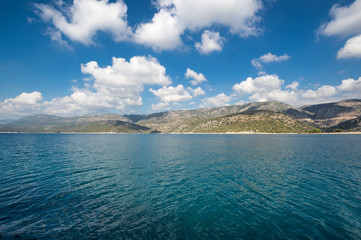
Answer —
94 186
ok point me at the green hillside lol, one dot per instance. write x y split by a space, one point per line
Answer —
256 121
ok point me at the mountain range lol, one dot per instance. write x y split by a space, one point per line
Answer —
271 116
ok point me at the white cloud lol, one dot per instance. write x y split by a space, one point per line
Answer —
108 92
116 86
282 96
256 63
25 98
211 41
164 3
112 87
350 85
293 86
197 92
216 101
138 71
161 106
81 20
352 49
176 16
238 15
196 78
84 101
263 83
22 105
269 87
346 20
84 18
163 33
320 93
120 84
55 36
268 58
351 88
172 94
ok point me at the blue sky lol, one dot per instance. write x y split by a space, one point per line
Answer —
140 56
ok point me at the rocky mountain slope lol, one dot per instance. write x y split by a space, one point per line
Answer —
254 120
264 114
153 120
329 115
353 125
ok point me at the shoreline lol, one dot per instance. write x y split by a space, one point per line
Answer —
192 133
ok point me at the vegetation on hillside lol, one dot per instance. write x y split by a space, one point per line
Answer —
255 121
272 117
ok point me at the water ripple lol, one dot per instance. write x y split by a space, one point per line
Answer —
180 187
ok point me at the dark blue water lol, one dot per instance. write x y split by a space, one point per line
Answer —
59 186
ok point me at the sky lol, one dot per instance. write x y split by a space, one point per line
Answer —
76 57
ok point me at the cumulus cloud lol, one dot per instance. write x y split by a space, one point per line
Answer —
25 98
84 101
175 16
268 58
346 20
120 84
116 86
172 94
270 87
138 71
196 78
320 93
211 41
197 92
162 33
161 106
351 85
266 88
351 88
285 96
260 84
293 86
112 87
108 89
22 105
216 101
81 20
84 18
352 49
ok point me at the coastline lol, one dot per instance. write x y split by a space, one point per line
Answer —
192 133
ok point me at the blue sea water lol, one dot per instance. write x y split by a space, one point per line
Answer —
125 186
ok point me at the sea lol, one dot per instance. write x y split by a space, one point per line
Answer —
180 186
